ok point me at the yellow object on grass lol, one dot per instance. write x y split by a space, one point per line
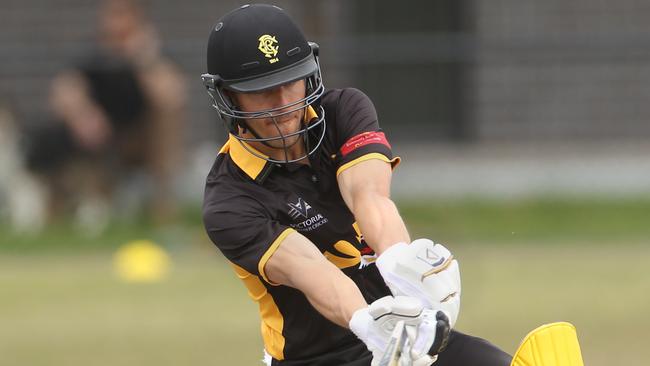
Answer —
554 344
141 261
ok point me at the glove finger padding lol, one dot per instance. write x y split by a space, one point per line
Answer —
424 270
429 338
398 306
426 331
375 323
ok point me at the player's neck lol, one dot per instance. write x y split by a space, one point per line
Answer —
293 152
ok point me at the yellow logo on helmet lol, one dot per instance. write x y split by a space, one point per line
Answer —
269 47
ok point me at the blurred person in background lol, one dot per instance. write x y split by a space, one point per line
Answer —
116 135
21 195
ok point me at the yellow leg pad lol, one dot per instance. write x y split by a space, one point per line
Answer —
554 344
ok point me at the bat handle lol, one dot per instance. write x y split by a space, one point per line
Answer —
395 344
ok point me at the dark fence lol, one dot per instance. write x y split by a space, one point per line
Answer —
455 70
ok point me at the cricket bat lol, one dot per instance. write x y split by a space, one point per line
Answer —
395 346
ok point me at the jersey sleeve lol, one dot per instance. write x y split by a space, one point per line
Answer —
244 232
359 136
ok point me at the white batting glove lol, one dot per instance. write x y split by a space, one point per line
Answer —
426 340
424 270
427 331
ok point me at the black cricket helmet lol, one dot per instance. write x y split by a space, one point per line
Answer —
259 47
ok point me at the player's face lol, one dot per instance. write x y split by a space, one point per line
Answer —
282 123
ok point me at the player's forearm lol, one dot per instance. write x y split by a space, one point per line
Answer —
333 294
299 264
379 221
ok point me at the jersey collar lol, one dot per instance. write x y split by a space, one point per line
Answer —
255 167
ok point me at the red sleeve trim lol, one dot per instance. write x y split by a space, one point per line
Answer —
364 139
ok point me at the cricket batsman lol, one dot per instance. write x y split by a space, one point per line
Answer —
298 201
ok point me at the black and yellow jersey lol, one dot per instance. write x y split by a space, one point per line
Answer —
251 205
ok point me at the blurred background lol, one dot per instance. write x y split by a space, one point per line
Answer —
522 127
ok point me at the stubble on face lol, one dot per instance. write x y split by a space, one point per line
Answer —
281 128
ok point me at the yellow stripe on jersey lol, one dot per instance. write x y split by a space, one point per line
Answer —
225 148
346 248
272 320
249 163
240 152
269 252
357 229
394 162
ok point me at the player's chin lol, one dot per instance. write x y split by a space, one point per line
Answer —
286 142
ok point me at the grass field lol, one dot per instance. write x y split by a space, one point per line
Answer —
61 304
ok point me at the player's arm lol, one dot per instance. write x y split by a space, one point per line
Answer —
365 188
420 269
299 264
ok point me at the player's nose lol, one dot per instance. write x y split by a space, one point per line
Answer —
282 99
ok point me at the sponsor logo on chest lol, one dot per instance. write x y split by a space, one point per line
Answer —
305 217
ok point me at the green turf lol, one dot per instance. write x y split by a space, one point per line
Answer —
542 221
71 310
523 263
539 221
